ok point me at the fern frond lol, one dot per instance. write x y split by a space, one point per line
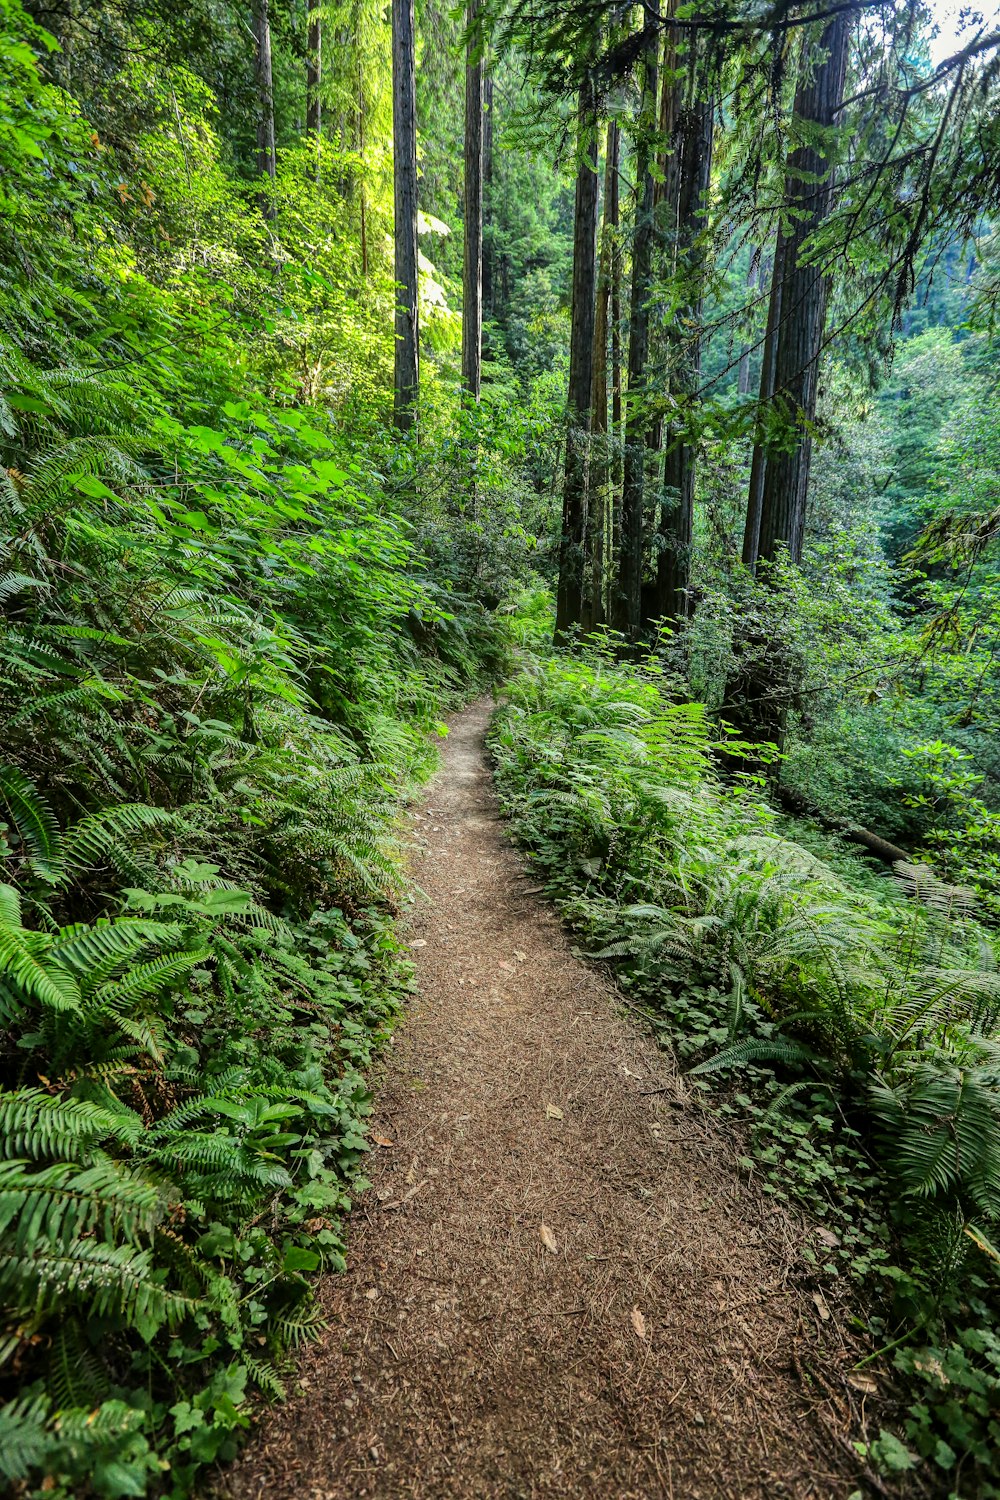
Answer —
777 1049
34 1123
46 1206
34 820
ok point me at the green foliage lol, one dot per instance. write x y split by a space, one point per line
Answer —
227 636
849 1024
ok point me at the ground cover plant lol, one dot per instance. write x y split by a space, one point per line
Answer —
850 1024
342 345
224 659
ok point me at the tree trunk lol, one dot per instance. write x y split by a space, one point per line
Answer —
802 290
760 691
362 185
615 470
628 595
596 542
404 135
755 496
487 189
694 132
472 275
569 596
314 79
266 160
753 284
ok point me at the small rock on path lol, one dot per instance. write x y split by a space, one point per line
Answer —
559 1284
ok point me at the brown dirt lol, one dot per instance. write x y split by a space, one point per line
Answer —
662 1348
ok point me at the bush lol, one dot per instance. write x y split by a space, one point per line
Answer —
851 1026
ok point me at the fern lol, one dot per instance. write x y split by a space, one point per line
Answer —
775 1050
25 1436
34 821
35 1124
941 1134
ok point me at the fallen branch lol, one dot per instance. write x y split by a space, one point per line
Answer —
801 807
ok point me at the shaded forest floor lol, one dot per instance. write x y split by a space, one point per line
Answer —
560 1284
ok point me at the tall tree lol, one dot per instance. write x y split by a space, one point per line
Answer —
596 546
616 444
754 279
755 495
799 291
404 134
314 76
488 189
472 272
627 603
266 159
569 595
692 167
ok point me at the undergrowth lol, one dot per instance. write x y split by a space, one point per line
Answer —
209 720
223 658
849 1024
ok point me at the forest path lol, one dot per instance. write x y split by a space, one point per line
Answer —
650 1349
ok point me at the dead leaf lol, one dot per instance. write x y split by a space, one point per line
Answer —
381 1140
521 957
372 1294
861 1382
418 943
828 1237
638 1323
548 1239
553 1112
819 1302
507 968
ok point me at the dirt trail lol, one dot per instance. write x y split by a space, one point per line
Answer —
654 1351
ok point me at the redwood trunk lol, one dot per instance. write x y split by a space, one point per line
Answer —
694 133
753 282
404 132
760 692
617 435
266 159
755 496
801 288
596 541
314 78
487 190
569 596
628 596
472 277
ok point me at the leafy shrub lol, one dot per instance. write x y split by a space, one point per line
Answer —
851 1025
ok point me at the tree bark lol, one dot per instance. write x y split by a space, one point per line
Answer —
314 79
569 595
755 496
616 445
628 595
762 687
266 158
404 134
472 274
800 287
753 284
362 185
487 189
596 541
694 131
